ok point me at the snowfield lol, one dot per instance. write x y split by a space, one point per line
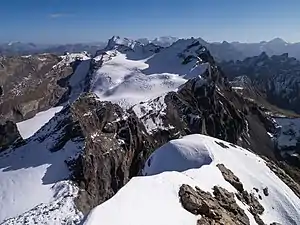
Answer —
130 77
33 180
153 199
29 127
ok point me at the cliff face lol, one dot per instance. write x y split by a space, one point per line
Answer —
30 84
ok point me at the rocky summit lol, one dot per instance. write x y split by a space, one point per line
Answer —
139 130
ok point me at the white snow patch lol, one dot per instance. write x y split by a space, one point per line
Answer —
29 127
61 210
29 177
132 78
237 88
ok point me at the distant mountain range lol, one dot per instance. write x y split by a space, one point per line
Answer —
222 51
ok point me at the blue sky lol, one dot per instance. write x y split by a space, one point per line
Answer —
69 21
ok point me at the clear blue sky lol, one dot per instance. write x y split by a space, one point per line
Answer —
69 21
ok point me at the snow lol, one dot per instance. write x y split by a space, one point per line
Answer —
78 79
129 77
33 179
71 57
147 201
288 131
153 199
61 210
151 114
29 127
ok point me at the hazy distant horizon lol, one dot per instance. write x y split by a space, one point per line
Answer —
104 41
86 21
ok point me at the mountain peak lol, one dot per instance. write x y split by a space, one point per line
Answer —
277 41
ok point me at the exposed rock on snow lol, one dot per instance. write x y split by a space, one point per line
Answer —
218 209
231 178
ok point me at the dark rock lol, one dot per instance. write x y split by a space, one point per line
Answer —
31 84
256 208
8 134
116 149
231 178
266 191
277 77
221 209
221 144
258 220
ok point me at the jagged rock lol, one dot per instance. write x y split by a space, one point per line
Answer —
266 191
8 134
256 208
258 220
220 209
31 84
276 76
116 148
231 178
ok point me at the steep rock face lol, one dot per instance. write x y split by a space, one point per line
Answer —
33 83
116 145
277 77
8 134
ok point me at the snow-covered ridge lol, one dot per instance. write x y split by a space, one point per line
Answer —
192 160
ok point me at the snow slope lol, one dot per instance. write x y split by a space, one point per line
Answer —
27 128
153 199
131 75
33 185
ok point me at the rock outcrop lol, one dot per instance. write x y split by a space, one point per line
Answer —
218 209
255 208
116 147
231 178
31 84
8 134
277 77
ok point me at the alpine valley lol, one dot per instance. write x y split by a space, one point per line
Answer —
164 131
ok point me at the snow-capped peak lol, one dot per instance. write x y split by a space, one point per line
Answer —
117 40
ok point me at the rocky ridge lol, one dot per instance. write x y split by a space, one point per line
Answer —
34 83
